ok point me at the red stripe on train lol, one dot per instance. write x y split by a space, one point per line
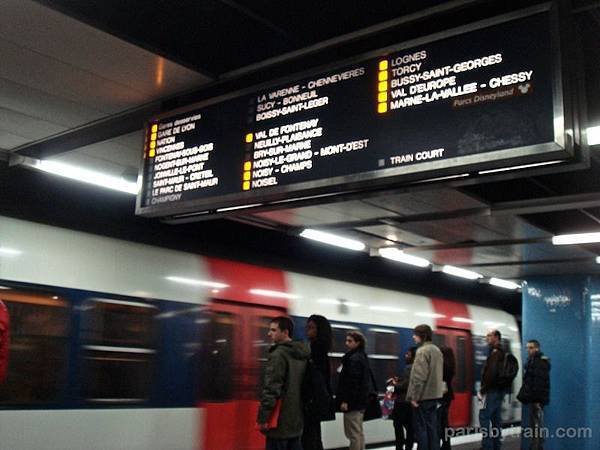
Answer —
452 313
245 280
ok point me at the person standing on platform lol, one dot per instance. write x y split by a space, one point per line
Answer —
281 393
4 340
535 392
318 332
491 394
354 386
449 372
426 388
402 413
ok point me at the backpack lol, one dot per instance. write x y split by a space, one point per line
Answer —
317 402
509 371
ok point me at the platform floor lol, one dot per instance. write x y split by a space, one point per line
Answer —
512 441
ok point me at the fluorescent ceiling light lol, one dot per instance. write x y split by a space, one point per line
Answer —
387 309
9 251
269 293
593 135
597 259
494 324
431 315
463 320
332 239
581 238
86 176
332 301
462 273
504 283
524 166
399 256
195 282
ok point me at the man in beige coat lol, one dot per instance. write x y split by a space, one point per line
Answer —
426 388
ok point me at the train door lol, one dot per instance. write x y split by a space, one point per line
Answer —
236 345
460 342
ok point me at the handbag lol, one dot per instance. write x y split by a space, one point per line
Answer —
373 409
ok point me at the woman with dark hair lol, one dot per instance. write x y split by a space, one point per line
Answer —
318 332
402 413
354 387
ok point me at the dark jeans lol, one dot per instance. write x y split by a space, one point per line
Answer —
536 423
403 426
284 444
311 436
490 421
425 419
444 433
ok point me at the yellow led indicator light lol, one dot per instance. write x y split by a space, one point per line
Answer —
153 137
382 107
246 176
383 65
249 138
382 86
154 128
383 75
246 186
153 144
247 166
382 97
151 153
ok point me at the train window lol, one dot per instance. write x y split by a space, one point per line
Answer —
39 326
385 347
119 348
118 323
439 339
460 381
384 342
217 368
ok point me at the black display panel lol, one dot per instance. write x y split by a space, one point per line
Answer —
485 98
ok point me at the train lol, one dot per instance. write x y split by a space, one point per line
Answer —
120 345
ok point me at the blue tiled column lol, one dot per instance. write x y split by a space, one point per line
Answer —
559 312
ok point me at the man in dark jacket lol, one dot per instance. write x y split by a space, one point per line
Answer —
535 392
491 394
354 386
284 372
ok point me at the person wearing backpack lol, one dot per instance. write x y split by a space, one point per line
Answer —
491 394
449 373
535 392
354 387
402 412
318 332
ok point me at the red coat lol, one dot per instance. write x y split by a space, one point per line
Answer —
4 340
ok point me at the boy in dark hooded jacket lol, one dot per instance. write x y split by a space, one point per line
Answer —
284 373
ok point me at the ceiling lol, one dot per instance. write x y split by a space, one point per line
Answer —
79 79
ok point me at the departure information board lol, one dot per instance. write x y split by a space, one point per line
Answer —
484 98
